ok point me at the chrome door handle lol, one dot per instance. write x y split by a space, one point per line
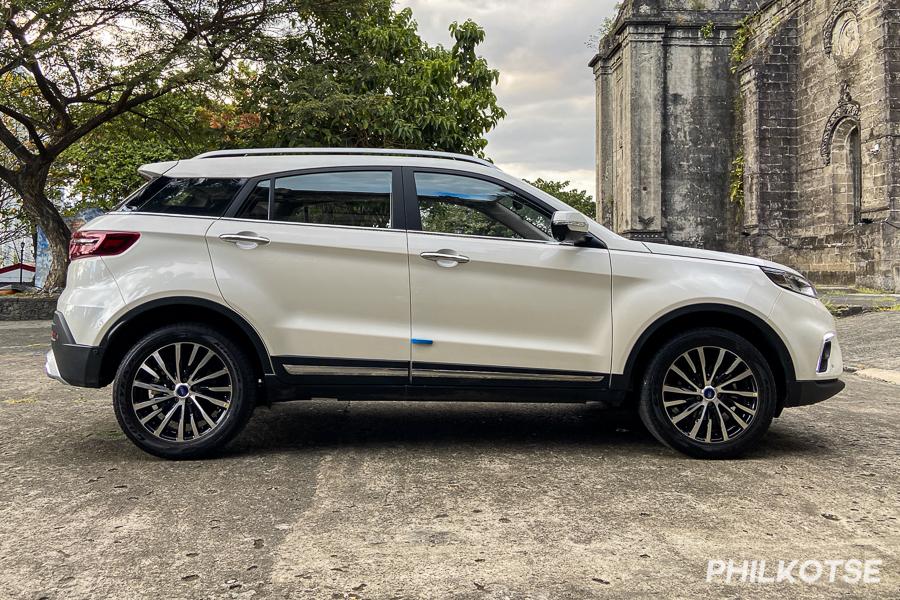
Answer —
245 239
445 258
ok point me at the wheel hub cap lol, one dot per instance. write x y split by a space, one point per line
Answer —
182 390
709 393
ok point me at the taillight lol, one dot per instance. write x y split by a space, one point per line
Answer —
101 243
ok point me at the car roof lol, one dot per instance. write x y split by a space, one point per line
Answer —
263 161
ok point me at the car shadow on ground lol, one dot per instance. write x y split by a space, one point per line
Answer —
324 425
422 423
295 426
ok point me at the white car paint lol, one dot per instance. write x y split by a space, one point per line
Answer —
352 292
518 303
314 290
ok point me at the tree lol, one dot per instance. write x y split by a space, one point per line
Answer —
364 78
102 168
67 67
361 77
577 199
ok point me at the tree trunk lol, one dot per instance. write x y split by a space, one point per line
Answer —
42 213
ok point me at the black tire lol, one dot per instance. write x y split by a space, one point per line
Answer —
742 430
199 437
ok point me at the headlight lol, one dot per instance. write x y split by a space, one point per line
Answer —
792 282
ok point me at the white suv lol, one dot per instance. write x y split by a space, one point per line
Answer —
240 277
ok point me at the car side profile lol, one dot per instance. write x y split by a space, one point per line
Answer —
243 277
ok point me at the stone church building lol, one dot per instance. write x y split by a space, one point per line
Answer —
769 128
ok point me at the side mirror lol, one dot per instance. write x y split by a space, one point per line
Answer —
569 227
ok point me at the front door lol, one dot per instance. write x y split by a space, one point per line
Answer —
494 298
317 263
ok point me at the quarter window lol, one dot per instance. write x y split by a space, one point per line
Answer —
468 206
357 199
199 196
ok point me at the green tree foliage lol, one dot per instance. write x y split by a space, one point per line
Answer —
68 67
580 200
356 78
364 78
101 169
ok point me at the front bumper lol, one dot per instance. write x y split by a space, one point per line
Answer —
72 363
803 393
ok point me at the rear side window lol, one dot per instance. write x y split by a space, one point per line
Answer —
353 198
199 196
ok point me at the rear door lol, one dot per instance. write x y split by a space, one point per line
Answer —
495 299
317 262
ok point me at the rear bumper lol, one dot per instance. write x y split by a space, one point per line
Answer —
69 362
803 393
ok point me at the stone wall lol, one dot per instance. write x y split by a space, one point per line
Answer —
813 109
817 73
27 308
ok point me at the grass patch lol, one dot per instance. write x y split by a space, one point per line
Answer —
868 290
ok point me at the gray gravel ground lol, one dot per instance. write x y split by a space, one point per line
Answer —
871 340
406 500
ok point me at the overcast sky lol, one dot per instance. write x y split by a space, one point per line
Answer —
545 85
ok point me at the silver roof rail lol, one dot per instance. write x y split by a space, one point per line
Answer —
347 152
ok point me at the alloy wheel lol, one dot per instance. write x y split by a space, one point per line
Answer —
710 394
182 391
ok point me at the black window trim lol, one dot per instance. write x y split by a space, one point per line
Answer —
398 214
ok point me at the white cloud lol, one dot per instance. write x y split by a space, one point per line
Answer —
545 84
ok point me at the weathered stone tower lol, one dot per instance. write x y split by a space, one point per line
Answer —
666 129
771 129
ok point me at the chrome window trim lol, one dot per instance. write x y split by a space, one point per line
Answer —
157 214
489 237
296 224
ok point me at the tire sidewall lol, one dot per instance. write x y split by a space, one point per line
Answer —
651 403
242 397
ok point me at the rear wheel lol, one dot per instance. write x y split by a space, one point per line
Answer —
184 391
708 393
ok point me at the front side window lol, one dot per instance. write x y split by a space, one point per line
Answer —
354 198
468 206
199 196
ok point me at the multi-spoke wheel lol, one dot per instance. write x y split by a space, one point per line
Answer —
708 393
183 391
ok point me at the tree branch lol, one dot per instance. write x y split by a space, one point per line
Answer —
14 145
44 85
27 123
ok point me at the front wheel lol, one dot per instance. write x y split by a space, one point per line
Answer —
708 393
184 391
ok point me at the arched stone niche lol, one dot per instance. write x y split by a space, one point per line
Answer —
847 171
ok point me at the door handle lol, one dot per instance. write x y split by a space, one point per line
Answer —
246 240
445 258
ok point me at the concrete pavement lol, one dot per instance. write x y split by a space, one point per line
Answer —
413 500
